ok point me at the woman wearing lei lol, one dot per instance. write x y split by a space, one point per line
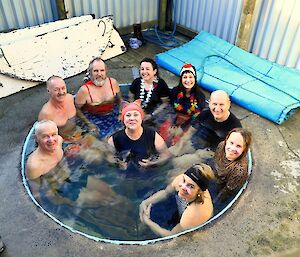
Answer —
187 98
150 88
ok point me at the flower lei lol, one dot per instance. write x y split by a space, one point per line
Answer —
190 107
146 100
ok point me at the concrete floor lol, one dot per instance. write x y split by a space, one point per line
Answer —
264 221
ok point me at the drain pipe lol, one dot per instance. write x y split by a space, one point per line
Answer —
245 25
61 9
162 14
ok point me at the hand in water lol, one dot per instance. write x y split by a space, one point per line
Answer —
146 214
146 162
145 210
122 164
72 150
94 129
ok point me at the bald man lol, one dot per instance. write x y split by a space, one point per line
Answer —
214 124
60 108
49 151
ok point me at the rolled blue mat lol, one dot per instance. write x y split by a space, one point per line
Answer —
263 87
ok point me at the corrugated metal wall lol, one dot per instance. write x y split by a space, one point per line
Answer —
276 30
217 17
15 14
125 12
276 35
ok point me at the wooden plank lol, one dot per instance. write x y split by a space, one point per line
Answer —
64 52
34 31
10 85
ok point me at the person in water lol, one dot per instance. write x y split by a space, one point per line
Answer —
99 98
60 108
230 162
188 102
152 90
193 199
214 124
187 98
138 143
49 151
47 168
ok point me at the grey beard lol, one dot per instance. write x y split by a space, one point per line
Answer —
99 83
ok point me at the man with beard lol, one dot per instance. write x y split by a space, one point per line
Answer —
99 98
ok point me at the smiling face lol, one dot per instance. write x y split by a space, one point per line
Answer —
98 73
219 105
188 189
188 80
133 120
47 136
234 146
57 89
147 72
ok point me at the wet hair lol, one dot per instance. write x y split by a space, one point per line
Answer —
90 67
201 174
37 126
49 80
195 89
153 63
247 137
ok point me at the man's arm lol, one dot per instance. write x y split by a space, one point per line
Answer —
81 97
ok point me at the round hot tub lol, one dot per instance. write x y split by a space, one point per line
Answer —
101 202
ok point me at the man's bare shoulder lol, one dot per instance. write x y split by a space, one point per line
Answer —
82 93
45 112
70 100
33 166
83 89
70 97
115 84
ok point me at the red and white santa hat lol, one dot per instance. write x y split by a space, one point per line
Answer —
188 67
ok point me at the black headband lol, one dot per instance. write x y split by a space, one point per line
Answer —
198 178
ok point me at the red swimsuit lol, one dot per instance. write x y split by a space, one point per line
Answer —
101 108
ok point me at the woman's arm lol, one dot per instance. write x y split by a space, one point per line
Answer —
159 230
145 205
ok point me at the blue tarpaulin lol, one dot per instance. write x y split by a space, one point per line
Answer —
266 88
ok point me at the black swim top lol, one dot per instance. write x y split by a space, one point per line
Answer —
135 150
